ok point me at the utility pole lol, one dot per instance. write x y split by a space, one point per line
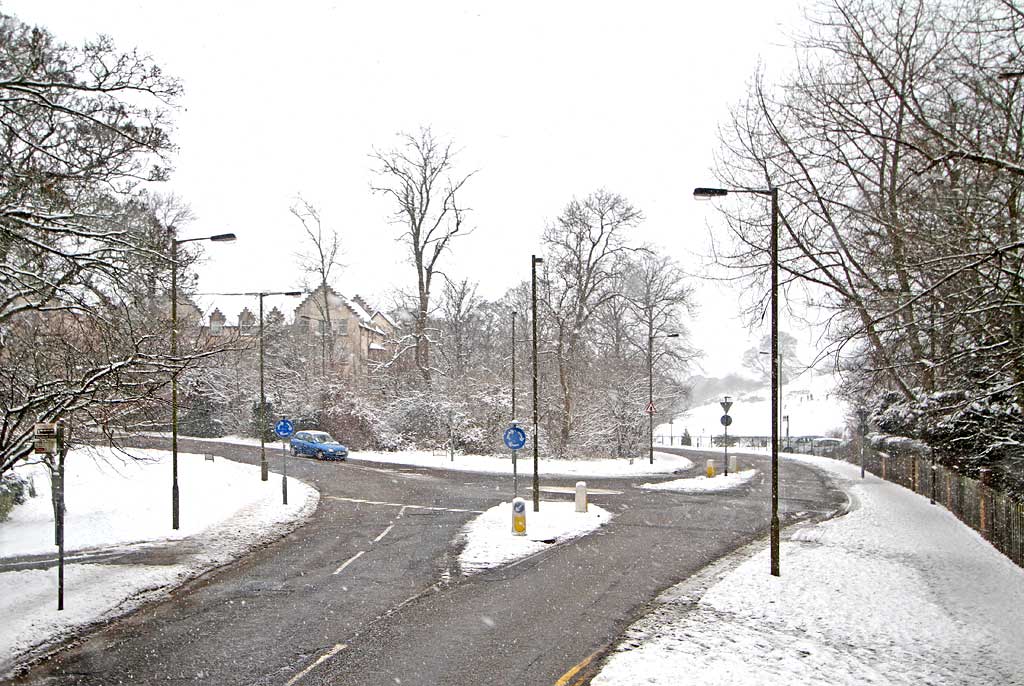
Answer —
650 383
534 261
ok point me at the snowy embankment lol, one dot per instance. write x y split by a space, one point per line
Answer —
703 484
117 507
664 463
897 591
490 543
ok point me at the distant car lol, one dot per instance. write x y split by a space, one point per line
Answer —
319 444
825 446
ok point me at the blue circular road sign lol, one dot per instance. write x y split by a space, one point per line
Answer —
284 428
514 437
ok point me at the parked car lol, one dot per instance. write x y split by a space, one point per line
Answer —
825 446
319 444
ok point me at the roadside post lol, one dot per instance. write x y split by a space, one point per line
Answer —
49 441
515 439
581 496
284 429
518 517
726 421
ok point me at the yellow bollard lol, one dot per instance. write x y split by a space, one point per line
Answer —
518 517
711 468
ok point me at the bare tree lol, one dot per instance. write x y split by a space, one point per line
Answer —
585 252
419 177
897 151
80 129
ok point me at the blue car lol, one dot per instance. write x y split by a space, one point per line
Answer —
319 444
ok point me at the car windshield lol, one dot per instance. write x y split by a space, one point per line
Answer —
321 437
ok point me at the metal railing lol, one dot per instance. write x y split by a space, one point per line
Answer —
998 517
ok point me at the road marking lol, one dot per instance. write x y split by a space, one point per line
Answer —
349 561
384 533
572 672
401 505
571 489
326 656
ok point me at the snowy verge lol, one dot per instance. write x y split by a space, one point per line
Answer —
490 543
896 591
664 463
118 506
703 484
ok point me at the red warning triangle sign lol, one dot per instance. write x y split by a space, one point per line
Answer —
650 408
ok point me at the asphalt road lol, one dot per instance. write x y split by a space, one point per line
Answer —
368 591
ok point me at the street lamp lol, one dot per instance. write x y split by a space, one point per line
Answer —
263 466
217 238
773 193
534 261
650 385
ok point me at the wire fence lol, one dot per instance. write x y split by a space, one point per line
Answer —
998 517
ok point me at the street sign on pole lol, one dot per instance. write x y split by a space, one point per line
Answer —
726 404
726 420
650 408
514 437
284 428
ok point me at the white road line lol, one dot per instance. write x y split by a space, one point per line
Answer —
326 656
349 561
401 505
384 533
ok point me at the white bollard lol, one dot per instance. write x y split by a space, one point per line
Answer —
581 496
733 465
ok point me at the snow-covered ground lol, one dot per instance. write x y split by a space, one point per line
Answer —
808 401
897 591
664 463
703 484
489 539
114 505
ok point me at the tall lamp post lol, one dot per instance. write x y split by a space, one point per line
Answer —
175 242
773 193
534 261
263 466
650 385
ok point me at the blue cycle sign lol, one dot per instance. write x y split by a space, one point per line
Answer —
284 428
514 437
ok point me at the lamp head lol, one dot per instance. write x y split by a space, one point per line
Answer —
223 237
708 193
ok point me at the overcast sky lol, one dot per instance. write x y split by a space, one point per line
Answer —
547 100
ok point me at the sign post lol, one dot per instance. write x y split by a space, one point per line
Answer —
284 429
726 421
49 440
515 439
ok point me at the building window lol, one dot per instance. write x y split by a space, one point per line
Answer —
342 327
216 327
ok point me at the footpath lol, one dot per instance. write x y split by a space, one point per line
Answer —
896 591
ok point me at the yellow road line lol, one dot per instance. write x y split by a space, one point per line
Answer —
572 672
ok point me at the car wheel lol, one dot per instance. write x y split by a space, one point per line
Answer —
319 454
295 453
